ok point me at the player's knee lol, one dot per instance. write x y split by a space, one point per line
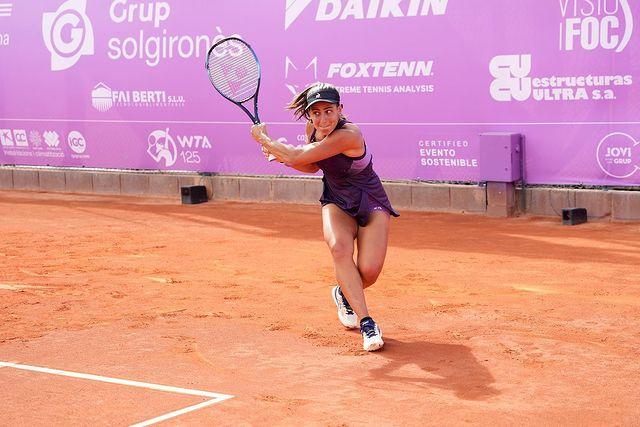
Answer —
369 273
340 250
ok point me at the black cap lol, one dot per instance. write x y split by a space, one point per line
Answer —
323 94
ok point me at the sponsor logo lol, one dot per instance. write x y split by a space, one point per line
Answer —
13 138
23 143
51 143
380 69
151 43
300 77
513 82
103 98
446 153
67 34
364 77
511 77
592 24
155 13
618 155
329 10
293 10
14 142
163 149
76 142
51 138
36 139
5 10
20 138
6 138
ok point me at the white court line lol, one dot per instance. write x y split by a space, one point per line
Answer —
176 413
244 123
215 397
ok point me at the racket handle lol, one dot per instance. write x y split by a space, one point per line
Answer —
271 157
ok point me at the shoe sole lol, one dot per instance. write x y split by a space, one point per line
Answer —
375 345
334 292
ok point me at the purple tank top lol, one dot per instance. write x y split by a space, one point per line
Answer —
352 184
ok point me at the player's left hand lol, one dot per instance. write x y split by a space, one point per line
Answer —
259 133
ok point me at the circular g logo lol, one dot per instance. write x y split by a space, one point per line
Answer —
68 34
68 24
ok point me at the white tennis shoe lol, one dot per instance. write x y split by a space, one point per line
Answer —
345 313
371 335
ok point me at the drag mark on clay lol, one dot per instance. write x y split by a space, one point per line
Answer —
535 289
18 286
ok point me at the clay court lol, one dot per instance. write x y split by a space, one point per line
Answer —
486 321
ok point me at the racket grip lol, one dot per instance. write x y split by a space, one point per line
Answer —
271 157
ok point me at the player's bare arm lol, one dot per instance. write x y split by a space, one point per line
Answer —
341 141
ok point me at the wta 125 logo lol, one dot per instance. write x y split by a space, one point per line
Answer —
68 34
163 148
591 24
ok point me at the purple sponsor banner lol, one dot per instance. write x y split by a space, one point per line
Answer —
122 84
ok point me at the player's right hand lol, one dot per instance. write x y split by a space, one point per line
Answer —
265 151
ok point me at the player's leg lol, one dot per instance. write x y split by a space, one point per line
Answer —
339 232
372 247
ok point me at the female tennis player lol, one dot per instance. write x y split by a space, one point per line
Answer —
355 206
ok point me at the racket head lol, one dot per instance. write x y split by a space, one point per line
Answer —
234 70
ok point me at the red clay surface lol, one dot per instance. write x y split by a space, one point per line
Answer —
486 321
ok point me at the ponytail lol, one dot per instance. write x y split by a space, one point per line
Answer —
299 102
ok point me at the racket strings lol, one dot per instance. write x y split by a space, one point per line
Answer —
234 71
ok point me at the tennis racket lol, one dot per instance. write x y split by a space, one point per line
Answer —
234 71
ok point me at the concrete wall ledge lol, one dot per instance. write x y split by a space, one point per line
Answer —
602 205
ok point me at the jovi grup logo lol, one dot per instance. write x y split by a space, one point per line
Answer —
618 155
67 34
